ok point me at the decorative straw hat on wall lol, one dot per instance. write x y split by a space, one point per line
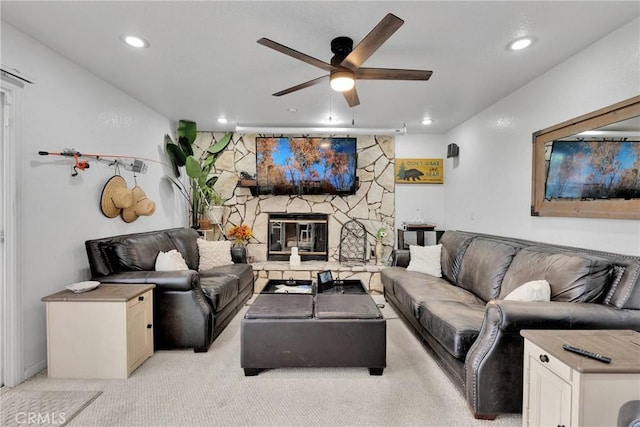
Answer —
115 197
141 206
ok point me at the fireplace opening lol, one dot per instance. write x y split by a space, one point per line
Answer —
307 232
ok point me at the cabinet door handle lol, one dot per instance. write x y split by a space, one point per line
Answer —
544 358
141 298
149 326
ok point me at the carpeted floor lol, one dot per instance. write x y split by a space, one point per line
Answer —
179 388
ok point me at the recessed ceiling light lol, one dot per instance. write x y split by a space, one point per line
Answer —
222 120
520 43
134 41
426 121
292 110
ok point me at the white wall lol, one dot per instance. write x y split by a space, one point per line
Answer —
70 108
427 198
490 189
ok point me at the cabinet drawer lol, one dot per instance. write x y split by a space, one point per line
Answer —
550 362
140 299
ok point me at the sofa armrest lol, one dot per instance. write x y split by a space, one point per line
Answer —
494 363
164 280
401 258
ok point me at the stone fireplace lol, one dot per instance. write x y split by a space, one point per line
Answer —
307 232
373 205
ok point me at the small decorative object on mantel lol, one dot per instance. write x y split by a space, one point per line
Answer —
294 259
240 235
379 249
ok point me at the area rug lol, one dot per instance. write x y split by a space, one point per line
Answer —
43 408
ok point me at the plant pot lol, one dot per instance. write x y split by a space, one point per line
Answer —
204 224
215 214
239 253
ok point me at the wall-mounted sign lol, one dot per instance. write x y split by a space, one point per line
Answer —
419 171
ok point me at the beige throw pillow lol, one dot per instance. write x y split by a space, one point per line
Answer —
214 254
536 290
170 261
425 259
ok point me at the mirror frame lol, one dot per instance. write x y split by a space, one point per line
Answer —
611 209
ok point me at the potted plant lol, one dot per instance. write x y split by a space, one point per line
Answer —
216 208
200 194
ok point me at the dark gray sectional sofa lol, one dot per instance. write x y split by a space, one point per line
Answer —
475 335
190 308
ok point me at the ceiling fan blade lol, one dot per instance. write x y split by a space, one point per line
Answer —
352 97
391 74
372 41
295 54
301 86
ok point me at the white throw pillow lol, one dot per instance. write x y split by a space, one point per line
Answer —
170 261
536 290
425 259
214 254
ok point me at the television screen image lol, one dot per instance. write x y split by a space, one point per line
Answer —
590 170
306 165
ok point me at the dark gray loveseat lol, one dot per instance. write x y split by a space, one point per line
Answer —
191 308
475 335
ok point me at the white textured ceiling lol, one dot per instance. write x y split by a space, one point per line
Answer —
204 61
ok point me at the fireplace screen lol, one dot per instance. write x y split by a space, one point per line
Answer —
307 232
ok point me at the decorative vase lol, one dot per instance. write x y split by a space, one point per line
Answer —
215 214
379 249
239 253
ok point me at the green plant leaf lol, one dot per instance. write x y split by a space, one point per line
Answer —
187 129
175 154
192 167
220 145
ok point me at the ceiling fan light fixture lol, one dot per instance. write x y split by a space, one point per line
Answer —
342 81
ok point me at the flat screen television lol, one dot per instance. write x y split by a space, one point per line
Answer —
290 165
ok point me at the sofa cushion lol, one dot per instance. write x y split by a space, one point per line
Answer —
139 252
425 259
484 265
455 324
170 261
535 290
242 272
411 289
626 294
184 239
219 290
573 276
213 254
454 245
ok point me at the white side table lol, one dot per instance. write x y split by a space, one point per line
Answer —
103 333
565 389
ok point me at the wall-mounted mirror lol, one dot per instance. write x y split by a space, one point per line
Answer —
590 166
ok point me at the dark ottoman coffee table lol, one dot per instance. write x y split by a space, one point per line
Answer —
327 329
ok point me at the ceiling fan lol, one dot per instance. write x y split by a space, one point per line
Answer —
345 68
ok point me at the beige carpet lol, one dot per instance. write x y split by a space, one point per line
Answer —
182 388
19 406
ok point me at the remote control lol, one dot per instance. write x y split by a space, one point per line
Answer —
586 353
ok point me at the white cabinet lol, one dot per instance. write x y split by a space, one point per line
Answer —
103 333
566 389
